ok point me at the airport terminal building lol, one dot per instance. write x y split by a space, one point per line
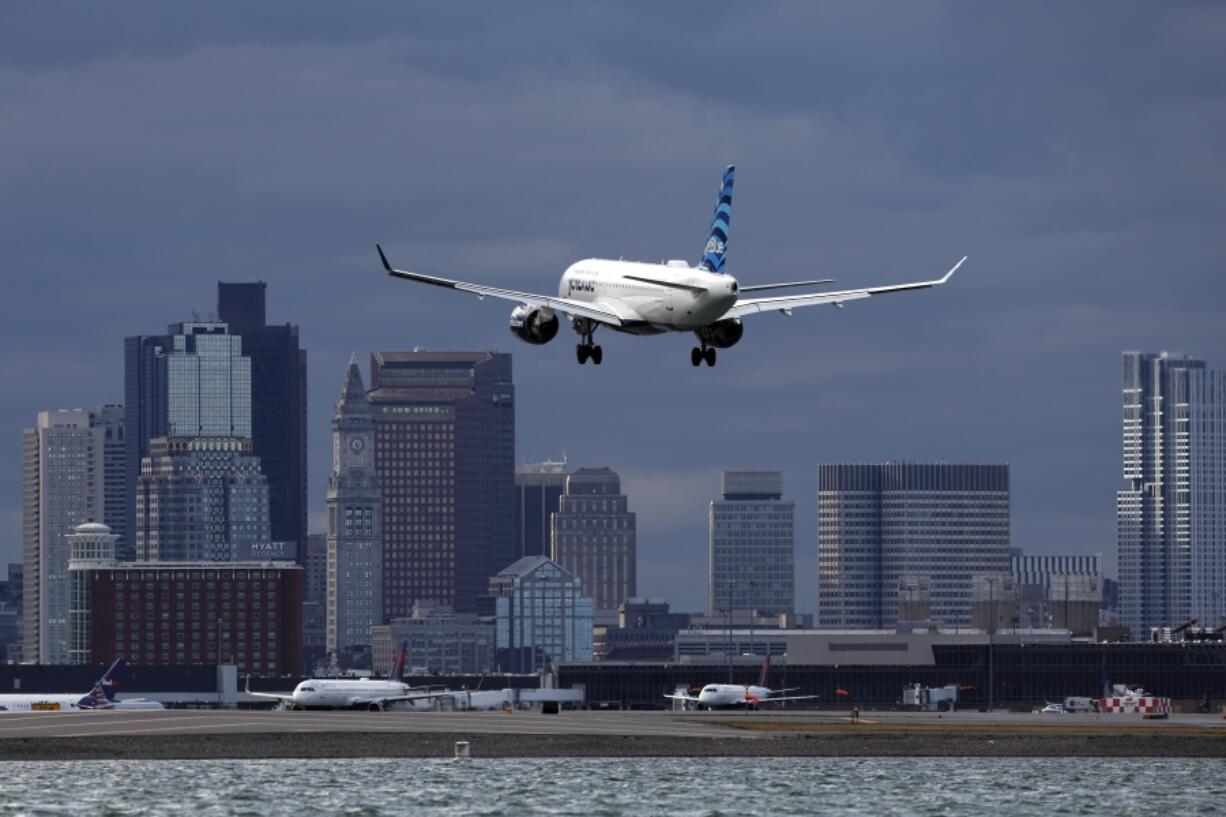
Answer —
1014 670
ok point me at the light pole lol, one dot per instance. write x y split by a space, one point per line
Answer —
731 585
991 632
753 611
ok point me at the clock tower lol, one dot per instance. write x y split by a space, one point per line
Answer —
355 522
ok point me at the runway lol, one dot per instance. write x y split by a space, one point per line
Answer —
251 734
186 722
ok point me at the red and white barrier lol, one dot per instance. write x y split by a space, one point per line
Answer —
1135 705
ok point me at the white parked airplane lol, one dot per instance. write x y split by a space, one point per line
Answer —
102 696
651 299
351 693
722 696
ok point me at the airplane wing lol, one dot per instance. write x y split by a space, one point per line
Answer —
772 698
786 303
414 696
785 285
689 698
270 695
567 305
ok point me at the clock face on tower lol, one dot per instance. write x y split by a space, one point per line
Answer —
356 448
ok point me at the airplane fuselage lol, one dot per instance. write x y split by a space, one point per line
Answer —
40 703
343 693
685 298
718 695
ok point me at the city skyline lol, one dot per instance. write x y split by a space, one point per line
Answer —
1074 182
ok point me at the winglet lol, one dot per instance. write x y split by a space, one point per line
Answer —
948 275
247 687
387 265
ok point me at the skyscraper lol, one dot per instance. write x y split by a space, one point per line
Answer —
879 523
594 537
752 550
445 444
538 486
355 521
192 382
1171 517
64 484
201 499
278 404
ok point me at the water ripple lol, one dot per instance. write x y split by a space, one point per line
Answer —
613 787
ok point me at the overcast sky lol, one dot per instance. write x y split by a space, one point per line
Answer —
1075 151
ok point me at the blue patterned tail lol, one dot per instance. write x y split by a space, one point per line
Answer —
717 244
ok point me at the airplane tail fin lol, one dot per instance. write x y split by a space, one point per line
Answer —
103 693
717 243
763 676
398 664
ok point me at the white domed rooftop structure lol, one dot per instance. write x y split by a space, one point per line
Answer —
92 527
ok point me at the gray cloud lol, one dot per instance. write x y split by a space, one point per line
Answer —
1073 152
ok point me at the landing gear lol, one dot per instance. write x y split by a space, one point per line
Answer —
584 352
698 355
587 350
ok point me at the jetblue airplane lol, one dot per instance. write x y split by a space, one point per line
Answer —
651 299
102 696
750 696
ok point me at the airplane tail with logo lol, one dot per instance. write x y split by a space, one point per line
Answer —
398 664
102 696
717 243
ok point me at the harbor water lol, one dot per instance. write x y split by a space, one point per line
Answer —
615 786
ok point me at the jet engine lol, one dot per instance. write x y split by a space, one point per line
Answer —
721 334
533 325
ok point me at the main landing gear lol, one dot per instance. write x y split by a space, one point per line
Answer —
698 355
584 351
587 350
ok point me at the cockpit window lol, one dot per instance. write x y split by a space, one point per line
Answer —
308 689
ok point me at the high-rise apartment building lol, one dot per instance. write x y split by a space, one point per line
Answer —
201 499
355 521
66 460
879 523
538 486
278 404
193 381
594 537
752 551
445 444
1171 516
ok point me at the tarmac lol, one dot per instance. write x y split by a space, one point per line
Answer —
266 734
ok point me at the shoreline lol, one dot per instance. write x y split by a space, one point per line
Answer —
875 743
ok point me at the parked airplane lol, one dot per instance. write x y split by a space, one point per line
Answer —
352 693
102 696
651 299
722 696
